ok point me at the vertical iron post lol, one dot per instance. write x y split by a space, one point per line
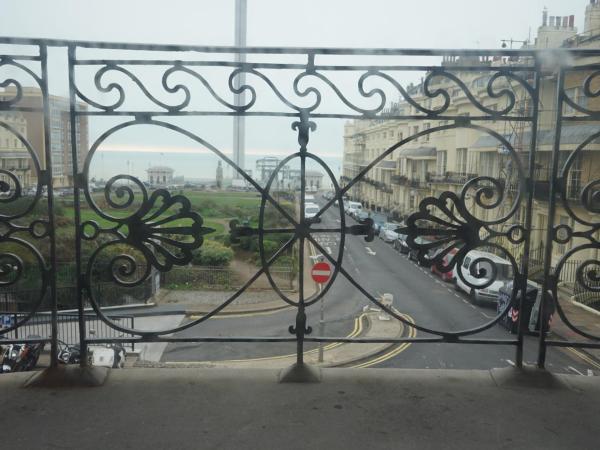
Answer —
528 211
549 280
76 205
51 213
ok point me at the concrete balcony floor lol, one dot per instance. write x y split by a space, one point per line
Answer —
348 409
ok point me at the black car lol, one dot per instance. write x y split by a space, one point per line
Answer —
401 245
416 254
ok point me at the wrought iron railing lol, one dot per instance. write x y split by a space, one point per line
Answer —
163 230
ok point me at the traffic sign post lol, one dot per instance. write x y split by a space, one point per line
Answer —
321 272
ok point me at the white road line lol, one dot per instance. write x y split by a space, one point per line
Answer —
510 362
370 252
472 306
485 315
574 370
328 250
590 373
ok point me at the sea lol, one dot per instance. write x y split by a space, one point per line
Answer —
193 167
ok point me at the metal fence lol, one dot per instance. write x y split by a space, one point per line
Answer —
39 325
157 239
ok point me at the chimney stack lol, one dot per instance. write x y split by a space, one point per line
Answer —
545 17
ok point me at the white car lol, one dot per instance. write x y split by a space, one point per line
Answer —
488 294
311 210
387 232
353 208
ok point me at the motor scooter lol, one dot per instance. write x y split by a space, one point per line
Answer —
21 357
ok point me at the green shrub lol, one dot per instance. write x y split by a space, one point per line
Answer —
213 253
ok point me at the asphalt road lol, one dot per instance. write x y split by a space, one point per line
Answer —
379 269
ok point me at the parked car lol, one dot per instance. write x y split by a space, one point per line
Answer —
401 245
310 211
488 294
388 231
344 201
414 254
353 208
446 276
378 220
361 215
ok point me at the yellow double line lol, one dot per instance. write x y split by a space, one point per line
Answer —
358 327
412 332
584 357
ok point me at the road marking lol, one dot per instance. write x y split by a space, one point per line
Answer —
590 373
411 333
355 332
485 315
328 250
574 370
510 362
583 356
370 252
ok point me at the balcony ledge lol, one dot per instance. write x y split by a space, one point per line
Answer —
348 408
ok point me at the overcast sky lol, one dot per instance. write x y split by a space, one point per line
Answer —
338 23
315 23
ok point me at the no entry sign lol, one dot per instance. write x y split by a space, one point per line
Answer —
321 272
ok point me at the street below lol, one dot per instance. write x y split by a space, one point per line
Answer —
417 293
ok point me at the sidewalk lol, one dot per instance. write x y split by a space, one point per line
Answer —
203 302
584 318
369 325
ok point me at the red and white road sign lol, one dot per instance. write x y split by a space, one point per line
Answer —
321 272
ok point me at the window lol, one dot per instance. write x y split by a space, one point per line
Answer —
442 158
461 161
575 95
488 164
426 127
